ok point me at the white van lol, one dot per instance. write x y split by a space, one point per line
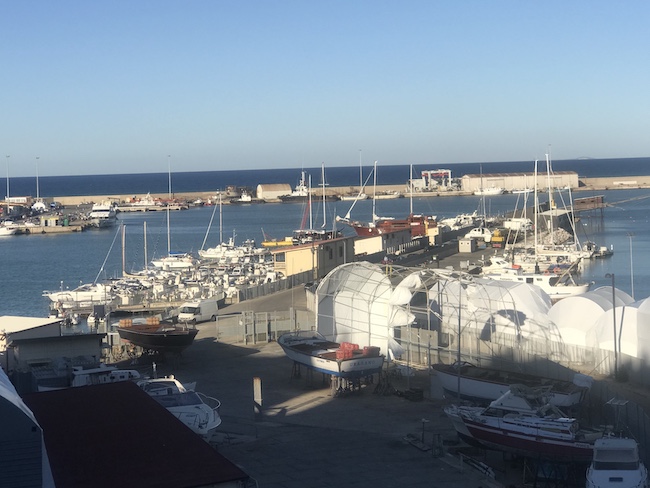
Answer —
198 311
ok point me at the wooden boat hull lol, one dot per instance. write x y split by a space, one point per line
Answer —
486 384
172 339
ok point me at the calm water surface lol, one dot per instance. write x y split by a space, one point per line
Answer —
33 263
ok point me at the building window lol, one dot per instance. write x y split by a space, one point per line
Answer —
280 257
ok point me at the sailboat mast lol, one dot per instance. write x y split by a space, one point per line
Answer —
411 190
311 225
123 249
536 225
323 180
551 203
374 193
220 219
360 173
146 258
169 172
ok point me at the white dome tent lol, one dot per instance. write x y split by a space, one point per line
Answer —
370 304
576 316
352 305
627 331
643 332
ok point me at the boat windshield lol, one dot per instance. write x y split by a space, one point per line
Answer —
616 459
192 310
179 399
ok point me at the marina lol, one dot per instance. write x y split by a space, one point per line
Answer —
186 231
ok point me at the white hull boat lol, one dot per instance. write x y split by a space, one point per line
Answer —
523 422
95 376
197 411
102 215
557 285
616 463
487 384
316 352
83 296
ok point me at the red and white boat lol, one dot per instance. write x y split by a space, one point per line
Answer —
522 421
344 360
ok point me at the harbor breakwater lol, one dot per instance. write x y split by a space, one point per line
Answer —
585 184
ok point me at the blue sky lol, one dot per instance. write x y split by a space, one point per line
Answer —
96 87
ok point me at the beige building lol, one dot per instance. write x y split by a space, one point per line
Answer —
519 181
320 256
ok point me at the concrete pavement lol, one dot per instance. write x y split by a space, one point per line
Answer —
310 436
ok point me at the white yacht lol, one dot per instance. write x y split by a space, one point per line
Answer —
197 411
102 215
616 463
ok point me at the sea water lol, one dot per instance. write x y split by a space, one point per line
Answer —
30 264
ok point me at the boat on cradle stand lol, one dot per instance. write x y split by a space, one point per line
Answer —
157 336
197 411
484 385
343 360
616 463
522 421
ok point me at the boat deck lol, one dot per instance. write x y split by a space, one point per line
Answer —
499 376
326 350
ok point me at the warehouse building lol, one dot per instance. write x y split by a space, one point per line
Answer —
519 181
272 191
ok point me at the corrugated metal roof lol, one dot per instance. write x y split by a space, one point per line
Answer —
11 324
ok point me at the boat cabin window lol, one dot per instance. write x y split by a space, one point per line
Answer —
616 459
616 465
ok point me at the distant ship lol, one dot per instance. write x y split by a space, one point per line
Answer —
302 191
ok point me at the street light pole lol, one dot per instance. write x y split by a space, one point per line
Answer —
611 275
7 196
38 194
630 235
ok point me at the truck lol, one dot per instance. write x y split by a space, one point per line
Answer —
198 311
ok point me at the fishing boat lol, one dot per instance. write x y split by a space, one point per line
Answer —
480 384
523 422
245 198
302 191
616 463
157 336
197 411
344 360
